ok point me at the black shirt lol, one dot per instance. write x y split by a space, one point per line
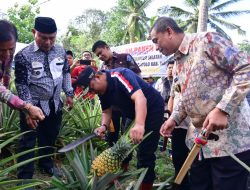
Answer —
122 83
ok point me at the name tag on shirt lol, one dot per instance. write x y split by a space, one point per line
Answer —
56 67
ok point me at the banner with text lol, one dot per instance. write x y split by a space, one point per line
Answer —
150 61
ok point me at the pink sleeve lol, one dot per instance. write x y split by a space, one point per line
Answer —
8 97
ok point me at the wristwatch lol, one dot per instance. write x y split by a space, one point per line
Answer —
26 108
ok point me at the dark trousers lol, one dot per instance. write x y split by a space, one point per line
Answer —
146 150
112 137
222 173
179 154
45 134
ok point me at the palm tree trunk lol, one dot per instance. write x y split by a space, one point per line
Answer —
203 16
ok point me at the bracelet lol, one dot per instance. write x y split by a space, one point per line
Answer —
27 107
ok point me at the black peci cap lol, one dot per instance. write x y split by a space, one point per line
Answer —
85 77
45 25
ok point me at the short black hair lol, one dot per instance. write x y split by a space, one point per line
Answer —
99 44
8 31
88 52
170 60
162 23
69 52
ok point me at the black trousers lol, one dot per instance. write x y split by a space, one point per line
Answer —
222 173
118 121
179 154
45 134
146 150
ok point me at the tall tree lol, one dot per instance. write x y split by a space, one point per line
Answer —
132 19
23 17
84 31
137 26
217 15
203 16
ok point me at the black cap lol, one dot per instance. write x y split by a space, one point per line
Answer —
85 77
45 25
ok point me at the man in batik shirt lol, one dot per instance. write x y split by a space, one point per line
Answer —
214 78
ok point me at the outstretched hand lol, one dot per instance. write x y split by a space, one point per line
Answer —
35 113
69 102
31 122
100 131
136 133
167 128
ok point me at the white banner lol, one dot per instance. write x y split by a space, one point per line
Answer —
150 61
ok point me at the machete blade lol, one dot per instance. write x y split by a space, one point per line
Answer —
75 143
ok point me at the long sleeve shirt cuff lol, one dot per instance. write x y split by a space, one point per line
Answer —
226 107
176 117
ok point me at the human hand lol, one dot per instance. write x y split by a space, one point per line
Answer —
69 102
167 128
31 122
100 131
215 120
136 133
35 112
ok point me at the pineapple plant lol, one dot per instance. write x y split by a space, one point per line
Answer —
110 160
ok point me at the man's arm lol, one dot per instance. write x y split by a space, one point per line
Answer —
132 65
137 132
21 78
171 104
67 86
7 74
226 57
235 63
15 102
105 123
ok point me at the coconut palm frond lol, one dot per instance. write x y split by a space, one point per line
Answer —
214 14
218 29
164 10
192 3
144 5
177 12
230 13
229 25
223 5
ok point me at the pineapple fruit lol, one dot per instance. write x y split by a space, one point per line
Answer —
110 160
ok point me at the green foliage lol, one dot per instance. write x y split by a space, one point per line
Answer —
129 21
217 15
84 31
245 46
8 165
125 23
23 17
84 117
79 176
